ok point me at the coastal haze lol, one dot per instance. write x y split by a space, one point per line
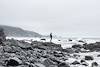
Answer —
74 18
49 33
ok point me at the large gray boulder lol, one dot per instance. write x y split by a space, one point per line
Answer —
63 65
48 63
46 45
13 61
89 58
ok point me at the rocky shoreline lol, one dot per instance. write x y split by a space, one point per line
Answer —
18 53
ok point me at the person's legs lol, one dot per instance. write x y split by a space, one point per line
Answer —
50 39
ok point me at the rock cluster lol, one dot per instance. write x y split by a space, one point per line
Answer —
37 54
41 54
92 46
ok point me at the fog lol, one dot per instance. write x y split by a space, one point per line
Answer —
68 18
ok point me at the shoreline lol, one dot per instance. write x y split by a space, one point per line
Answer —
46 54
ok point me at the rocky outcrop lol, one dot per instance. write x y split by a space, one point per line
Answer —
89 58
46 45
21 53
92 46
13 61
63 65
75 63
94 64
37 54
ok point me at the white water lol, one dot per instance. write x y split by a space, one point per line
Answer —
64 42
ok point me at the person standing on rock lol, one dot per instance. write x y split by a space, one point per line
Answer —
50 37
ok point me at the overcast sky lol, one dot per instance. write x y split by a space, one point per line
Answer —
62 17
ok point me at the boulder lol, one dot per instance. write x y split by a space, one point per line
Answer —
13 61
55 60
98 55
81 41
94 64
68 50
43 39
63 65
58 55
40 65
82 61
45 56
59 40
25 46
85 64
92 46
70 40
77 46
28 64
7 49
89 58
46 45
75 63
48 62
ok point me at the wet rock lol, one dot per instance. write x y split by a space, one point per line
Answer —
53 66
57 55
70 40
76 55
11 49
68 50
13 62
48 62
28 64
31 65
46 45
40 65
55 60
82 61
85 64
16 49
89 58
45 56
77 50
59 40
98 55
76 46
64 59
63 65
75 63
7 49
92 46
22 66
81 41
25 46
43 39
12 42
94 64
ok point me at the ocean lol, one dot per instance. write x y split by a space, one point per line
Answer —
65 43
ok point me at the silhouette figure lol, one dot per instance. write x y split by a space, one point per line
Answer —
50 37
